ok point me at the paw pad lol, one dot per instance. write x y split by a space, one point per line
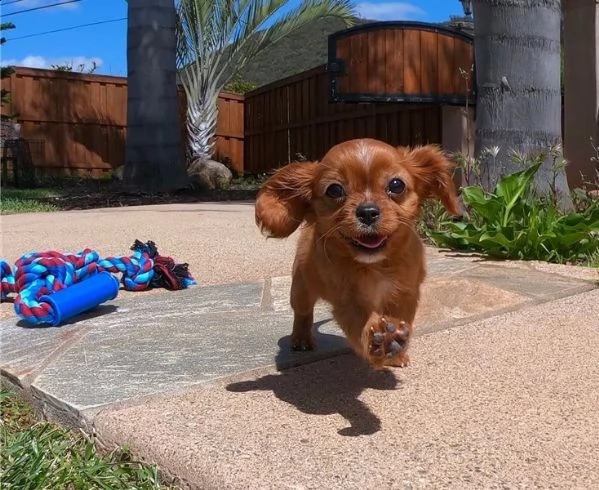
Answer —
389 342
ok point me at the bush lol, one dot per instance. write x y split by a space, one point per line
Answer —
239 86
515 222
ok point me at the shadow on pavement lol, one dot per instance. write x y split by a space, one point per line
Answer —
327 387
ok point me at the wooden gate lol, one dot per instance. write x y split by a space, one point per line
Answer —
401 62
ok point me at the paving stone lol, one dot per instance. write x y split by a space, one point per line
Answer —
531 283
162 353
25 349
450 300
437 264
280 290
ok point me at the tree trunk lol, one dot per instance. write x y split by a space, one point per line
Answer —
155 156
202 119
518 106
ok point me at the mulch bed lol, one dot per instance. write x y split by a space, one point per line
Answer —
84 197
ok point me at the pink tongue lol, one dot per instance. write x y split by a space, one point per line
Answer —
373 241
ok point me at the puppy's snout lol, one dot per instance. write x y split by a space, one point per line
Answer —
368 213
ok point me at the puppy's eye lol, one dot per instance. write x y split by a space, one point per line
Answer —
396 186
335 191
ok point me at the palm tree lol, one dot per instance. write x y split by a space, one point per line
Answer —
518 107
155 157
216 40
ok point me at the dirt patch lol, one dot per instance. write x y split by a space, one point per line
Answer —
121 199
92 195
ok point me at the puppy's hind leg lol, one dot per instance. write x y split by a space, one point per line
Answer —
302 303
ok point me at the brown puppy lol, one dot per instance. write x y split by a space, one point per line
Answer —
358 250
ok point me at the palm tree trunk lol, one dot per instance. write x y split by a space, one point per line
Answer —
155 156
518 107
202 119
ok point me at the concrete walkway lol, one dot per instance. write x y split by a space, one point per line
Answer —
502 392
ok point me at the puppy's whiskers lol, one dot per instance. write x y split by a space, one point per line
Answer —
325 237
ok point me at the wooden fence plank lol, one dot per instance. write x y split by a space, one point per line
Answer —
412 60
394 79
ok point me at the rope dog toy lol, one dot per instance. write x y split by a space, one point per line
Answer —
52 286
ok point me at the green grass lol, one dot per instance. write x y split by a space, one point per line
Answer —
26 200
40 455
249 182
592 260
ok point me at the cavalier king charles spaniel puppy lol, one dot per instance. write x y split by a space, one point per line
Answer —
358 249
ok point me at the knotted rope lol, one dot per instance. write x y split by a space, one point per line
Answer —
38 274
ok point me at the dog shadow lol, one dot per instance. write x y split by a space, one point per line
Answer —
330 386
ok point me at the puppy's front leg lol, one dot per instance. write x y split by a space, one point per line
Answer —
385 341
302 303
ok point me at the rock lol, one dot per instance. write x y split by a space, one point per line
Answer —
209 174
117 173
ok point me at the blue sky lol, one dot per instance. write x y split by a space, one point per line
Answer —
106 43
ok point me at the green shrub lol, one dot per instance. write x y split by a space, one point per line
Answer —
239 86
514 222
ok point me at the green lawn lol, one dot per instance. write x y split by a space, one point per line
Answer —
40 455
26 200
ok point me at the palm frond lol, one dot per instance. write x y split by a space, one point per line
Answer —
217 38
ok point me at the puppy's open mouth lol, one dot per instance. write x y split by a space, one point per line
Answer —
370 242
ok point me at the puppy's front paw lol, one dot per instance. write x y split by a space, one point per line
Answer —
387 343
302 342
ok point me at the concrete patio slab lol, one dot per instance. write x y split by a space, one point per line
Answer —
507 402
502 392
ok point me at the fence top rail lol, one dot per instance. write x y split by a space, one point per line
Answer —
21 71
402 25
231 96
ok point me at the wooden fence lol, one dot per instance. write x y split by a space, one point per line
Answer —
294 117
76 123
229 132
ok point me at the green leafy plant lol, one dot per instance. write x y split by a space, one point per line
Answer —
515 222
239 86
80 68
432 213
5 72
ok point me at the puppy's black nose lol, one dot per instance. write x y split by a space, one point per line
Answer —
368 213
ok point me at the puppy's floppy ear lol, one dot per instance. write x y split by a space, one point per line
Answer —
284 199
434 175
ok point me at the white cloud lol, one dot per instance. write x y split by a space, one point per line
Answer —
389 11
34 61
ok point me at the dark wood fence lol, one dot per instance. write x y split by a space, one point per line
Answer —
76 123
401 62
295 117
